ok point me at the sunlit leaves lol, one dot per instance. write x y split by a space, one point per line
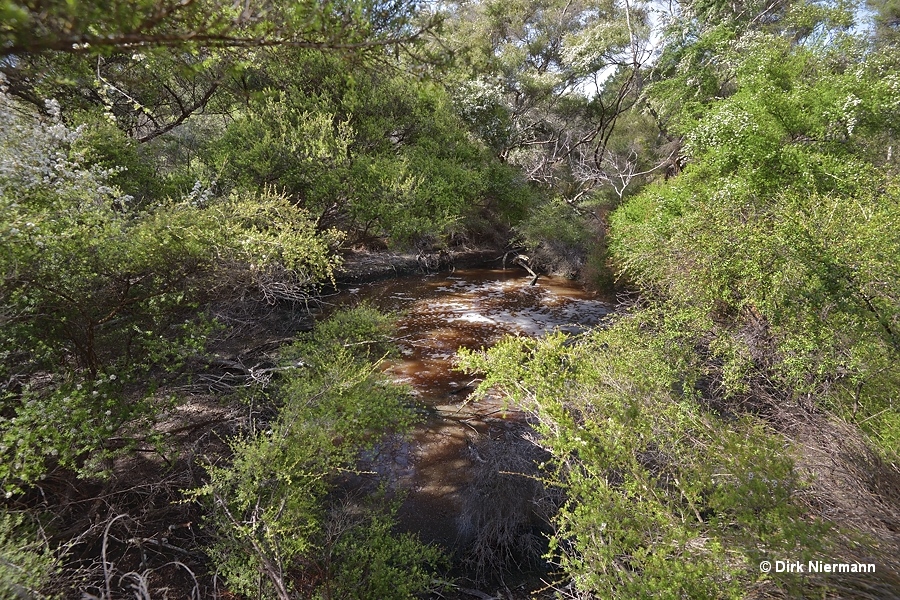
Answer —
380 157
95 290
778 229
26 561
663 496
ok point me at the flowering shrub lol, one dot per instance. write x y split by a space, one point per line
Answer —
26 564
95 292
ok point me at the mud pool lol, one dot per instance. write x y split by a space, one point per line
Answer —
442 312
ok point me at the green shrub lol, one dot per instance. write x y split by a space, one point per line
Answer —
267 507
779 239
96 292
27 565
364 558
663 497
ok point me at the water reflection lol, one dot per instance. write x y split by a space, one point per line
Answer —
440 314
472 309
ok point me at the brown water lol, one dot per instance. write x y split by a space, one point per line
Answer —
443 312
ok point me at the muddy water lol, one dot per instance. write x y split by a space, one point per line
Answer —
441 313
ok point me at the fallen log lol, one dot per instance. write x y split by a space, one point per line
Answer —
523 261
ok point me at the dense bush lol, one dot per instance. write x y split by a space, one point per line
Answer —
663 497
380 156
27 563
778 240
96 292
267 505
199 164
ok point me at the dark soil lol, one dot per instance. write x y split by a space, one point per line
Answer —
363 267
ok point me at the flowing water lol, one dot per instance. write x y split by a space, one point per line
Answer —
441 313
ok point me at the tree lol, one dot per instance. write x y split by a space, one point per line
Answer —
365 148
545 84
122 56
91 27
787 184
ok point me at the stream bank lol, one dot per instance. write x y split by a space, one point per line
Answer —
366 267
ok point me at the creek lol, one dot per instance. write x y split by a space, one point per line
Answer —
440 313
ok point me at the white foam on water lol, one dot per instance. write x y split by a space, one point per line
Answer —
471 317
